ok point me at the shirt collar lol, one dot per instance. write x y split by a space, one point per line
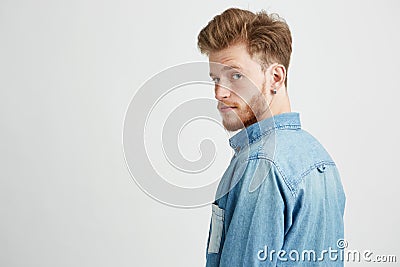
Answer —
255 131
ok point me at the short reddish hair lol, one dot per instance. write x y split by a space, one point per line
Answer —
267 36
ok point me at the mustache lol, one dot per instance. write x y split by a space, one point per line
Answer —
227 104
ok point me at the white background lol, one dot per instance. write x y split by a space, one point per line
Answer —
68 70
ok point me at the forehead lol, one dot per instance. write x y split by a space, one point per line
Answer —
236 52
232 57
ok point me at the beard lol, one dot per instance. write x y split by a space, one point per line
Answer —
246 114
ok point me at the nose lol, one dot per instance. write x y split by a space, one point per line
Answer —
221 92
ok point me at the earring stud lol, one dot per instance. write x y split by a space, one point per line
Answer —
274 91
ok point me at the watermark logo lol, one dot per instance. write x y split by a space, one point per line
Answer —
175 146
342 244
331 254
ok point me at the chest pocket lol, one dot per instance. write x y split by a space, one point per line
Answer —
217 225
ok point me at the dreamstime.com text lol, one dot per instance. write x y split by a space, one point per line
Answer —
340 253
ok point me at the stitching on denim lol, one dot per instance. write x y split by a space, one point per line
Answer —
257 137
312 167
291 188
219 216
262 156
279 127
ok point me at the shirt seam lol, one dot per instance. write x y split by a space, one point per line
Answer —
310 168
292 186
255 157
258 137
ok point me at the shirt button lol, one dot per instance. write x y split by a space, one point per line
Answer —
321 168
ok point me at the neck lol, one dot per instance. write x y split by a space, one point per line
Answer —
278 103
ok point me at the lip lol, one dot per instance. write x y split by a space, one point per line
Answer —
226 108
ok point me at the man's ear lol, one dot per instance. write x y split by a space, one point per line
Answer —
278 76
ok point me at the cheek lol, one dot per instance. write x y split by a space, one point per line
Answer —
241 105
248 100
243 96
248 92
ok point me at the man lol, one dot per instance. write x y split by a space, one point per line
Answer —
281 201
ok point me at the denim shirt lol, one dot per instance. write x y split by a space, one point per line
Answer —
280 202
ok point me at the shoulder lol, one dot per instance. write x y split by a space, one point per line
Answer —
294 153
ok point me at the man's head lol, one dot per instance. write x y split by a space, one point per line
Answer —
249 56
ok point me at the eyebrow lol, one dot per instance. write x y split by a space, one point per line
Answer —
228 67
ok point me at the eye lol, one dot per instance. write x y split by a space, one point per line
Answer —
237 76
215 80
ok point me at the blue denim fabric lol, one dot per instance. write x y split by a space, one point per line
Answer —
281 192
